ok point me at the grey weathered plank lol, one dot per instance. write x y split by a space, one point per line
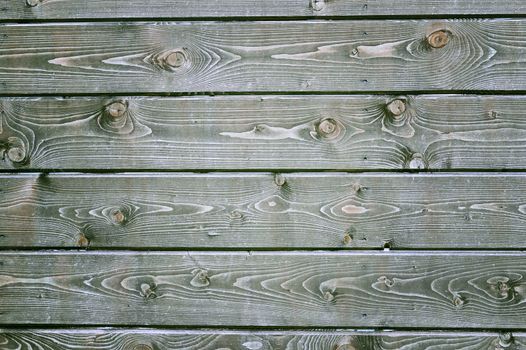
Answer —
80 9
262 56
308 289
149 339
267 132
315 210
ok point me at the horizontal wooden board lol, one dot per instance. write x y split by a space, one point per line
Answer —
112 9
155 339
343 56
303 289
264 132
249 210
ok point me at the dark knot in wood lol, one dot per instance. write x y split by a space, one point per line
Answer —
438 39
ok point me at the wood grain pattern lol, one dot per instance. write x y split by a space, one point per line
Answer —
262 56
251 210
150 339
308 289
264 132
80 9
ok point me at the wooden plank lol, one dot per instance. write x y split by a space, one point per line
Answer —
274 56
264 132
112 9
309 210
149 339
306 289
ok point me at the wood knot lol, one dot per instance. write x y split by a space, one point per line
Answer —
458 301
347 238
16 154
117 109
279 180
32 3
148 291
117 216
83 241
317 5
345 347
383 279
328 296
175 59
396 108
503 288
438 39
14 149
200 279
504 341
141 347
416 161
328 128
235 215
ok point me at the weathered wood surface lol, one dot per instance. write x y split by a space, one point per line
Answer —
263 56
153 339
264 132
310 210
308 289
112 9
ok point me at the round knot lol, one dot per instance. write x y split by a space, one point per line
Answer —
16 154
32 3
347 238
505 340
417 162
83 241
317 5
175 59
14 149
116 109
118 217
328 128
396 107
438 39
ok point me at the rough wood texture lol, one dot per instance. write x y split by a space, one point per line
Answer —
112 9
308 289
148 339
269 132
262 56
262 210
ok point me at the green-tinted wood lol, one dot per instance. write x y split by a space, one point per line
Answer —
149 339
303 289
269 132
262 56
111 9
320 210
